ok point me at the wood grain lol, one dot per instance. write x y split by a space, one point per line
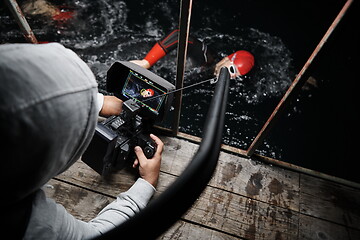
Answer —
245 199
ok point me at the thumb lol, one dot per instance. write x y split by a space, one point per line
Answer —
140 154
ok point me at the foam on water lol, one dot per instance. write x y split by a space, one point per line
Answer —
106 31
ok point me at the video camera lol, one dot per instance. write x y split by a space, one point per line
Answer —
114 140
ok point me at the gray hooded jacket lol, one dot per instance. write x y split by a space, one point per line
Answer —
48 112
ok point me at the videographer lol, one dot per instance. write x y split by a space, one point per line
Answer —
48 111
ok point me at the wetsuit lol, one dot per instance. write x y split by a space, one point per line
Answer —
198 51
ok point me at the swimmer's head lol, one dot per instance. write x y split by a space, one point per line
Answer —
147 93
243 61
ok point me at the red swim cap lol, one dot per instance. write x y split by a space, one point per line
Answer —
243 60
63 14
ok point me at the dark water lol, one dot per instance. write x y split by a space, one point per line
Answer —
279 34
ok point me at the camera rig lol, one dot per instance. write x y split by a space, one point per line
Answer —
146 100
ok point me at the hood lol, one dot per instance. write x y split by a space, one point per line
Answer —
47 114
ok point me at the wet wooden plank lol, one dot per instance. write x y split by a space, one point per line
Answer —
255 220
330 201
243 177
262 182
185 230
233 173
316 229
216 208
239 175
242 216
85 205
244 198
82 175
81 203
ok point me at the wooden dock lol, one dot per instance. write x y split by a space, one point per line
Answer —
245 199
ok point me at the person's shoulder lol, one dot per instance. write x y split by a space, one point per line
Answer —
20 46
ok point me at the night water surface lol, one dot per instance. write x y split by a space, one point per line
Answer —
103 32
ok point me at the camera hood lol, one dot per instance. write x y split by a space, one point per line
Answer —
127 80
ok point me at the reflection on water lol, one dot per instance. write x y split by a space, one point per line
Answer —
102 32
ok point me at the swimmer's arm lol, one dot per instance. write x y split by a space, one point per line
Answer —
159 50
143 63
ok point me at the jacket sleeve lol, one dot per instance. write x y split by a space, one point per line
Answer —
51 221
126 205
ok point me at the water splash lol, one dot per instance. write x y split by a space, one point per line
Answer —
103 32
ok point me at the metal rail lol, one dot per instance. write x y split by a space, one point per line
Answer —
21 21
184 26
296 85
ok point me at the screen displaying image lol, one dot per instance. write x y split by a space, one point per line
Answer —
143 91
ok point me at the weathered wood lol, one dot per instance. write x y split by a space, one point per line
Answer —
243 216
216 208
239 175
258 181
245 198
85 205
233 173
184 230
82 175
316 229
81 203
330 201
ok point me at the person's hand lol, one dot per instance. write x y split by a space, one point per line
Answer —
226 62
112 106
143 63
149 168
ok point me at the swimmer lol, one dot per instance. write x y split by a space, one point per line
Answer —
238 63
59 14
145 93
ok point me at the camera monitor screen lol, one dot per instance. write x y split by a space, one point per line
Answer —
143 91
130 81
